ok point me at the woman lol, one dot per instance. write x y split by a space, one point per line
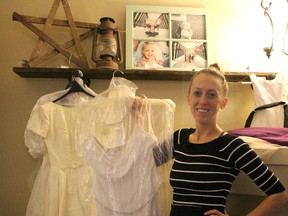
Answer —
207 159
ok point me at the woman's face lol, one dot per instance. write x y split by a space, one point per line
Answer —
206 98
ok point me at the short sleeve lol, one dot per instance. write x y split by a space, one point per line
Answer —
39 122
35 143
36 131
161 118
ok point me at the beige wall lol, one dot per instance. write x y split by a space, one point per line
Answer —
18 95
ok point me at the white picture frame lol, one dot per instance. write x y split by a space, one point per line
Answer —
178 37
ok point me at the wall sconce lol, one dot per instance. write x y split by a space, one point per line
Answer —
107 50
268 50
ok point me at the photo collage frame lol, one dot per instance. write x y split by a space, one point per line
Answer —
167 38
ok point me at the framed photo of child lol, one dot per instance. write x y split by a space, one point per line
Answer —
151 54
167 38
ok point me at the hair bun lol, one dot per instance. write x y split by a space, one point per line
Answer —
217 67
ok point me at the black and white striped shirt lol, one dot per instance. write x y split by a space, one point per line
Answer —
202 174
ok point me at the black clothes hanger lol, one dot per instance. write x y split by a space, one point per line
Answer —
74 86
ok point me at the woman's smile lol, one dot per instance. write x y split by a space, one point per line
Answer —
202 110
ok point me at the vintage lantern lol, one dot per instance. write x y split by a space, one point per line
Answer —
107 51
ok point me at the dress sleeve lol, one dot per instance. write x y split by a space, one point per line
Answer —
160 121
36 132
164 152
250 163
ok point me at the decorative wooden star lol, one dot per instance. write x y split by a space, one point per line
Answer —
36 58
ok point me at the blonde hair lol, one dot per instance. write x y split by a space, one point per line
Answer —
215 70
148 43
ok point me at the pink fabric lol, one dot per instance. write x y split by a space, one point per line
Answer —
274 135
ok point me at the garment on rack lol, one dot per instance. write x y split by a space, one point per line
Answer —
126 181
120 149
36 143
270 101
269 91
63 183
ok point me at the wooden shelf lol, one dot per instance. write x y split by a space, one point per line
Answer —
37 72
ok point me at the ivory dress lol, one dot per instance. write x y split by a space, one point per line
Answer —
120 150
63 184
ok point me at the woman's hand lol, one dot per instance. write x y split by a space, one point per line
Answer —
215 212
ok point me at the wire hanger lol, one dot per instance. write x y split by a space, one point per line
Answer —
77 84
116 72
115 81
